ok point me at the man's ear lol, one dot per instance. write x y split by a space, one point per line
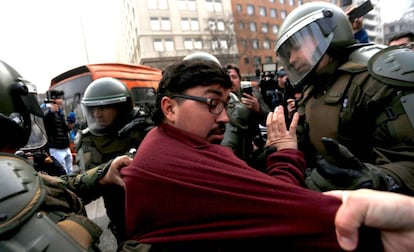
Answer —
168 108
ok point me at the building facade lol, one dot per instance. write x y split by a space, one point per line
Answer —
159 32
404 24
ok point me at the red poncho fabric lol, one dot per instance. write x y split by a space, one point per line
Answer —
180 188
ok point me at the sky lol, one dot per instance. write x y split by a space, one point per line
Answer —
43 38
392 10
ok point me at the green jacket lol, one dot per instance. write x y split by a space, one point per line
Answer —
363 113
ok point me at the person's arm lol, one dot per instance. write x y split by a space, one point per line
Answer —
391 213
88 185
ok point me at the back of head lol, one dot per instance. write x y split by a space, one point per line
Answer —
20 113
186 74
323 22
107 92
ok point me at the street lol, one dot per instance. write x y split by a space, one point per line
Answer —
96 212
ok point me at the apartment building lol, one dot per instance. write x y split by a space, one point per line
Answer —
257 26
159 32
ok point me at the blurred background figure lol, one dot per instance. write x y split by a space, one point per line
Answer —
57 130
403 39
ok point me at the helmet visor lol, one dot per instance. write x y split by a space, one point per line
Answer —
38 137
100 119
302 51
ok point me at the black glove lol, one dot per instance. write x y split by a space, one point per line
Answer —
351 174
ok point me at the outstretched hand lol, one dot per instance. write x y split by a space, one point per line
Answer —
391 213
113 176
277 134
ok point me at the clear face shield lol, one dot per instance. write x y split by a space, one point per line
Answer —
101 117
301 49
38 136
37 139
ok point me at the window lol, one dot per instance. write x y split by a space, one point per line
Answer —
257 60
158 45
291 2
198 44
185 24
189 24
262 11
273 13
214 5
211 24
160 24
265 28
219 44
252 26
266 44
194 24
282 1
250 10
187 5
246 60
255 44
243 43
157 4
275 29
190 44
283 14
220 25
155 24
165 24
163 45
239 8
268 59
169 45
241 26
216 25
223 44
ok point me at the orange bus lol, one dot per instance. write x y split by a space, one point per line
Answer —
141 80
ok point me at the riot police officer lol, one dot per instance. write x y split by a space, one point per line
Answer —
40 212
357 118
114 128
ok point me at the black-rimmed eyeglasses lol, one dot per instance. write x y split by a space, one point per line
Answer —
215 106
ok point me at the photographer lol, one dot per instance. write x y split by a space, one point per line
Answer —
57 130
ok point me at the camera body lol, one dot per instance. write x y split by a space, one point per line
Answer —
51 95
268 82
246 87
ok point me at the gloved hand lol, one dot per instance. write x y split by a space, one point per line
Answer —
350 174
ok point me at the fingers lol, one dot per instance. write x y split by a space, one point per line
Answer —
277 134
113 176
347 221
121 161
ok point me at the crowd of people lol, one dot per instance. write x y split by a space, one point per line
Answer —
334 171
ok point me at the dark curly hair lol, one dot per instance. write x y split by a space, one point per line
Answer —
184 75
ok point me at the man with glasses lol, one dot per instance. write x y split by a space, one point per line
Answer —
186 192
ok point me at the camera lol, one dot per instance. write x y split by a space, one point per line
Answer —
52 95
268 82
246 87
